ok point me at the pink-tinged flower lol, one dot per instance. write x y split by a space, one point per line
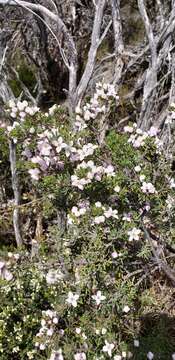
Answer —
153 131
78 331
114 255
50 332
55 320
80 356
109 170
34 173
44 148
108 348
134 234
56 355
41 162
98 297
148 188
72 299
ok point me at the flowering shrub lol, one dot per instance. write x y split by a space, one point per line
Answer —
79 299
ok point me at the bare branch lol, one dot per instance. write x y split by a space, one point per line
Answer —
95 42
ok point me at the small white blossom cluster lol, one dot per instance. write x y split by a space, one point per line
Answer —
21 109
99 104
90 172
48 323
54 276
49 149
52 110
148 188
170 202
78 211
134 234
105 213
137 136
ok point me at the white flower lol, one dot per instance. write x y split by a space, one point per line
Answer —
117 189
42 346
34 173
99 219
72 299
98 297
55 320
127 217
134 234
137 168
56 355
148 188
128 129
53 276
78 330
142 177
78 110
150 355
136 343
153 131
53 109
103 331
126 309
50 332
111 213
124 354
13 115
117 357
129 355
108 348
114 254
173 356
80 356
43 322
11 103
172 183
98 204
109 170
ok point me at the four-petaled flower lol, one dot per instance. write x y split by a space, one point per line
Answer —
108 348
98 297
